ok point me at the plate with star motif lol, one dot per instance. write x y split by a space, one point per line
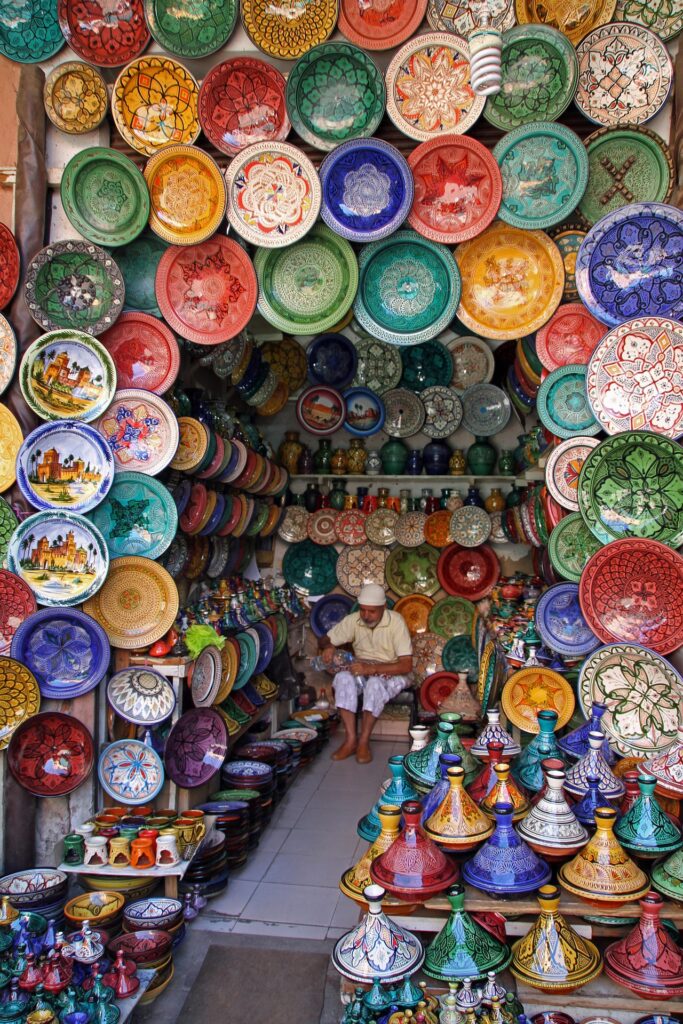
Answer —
443 411
137 517
404 413
379 365
360 565
141 696
74 285
563 466
380 25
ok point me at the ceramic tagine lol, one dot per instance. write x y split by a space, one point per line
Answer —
505 791
493 730
377 947
431 800
462 701
527 768
422 766
667 769
457 823
551 828
470 764
487 778
645 830
463 948
575 744
667 878
356 879
593 798
602 873
594 763
413 868
553 957
397 792
505 865
647 961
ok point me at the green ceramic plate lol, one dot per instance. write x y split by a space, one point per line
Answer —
540 75
459 656
425 366
335 92
409 288
29 30
138 262
570 546
412 570
663 18
631 485
74 285
8 524
138 516
105 196
379 365
562 403
67 375
309 286
8 353
248 660
545 173
191 28
311 568
625 165
452 616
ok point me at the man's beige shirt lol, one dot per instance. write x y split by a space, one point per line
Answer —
388 641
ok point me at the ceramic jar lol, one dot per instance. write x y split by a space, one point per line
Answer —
142 853
414 463
289 451
339 462
377 947
305 460
457 823
95 851
74 849
323 456
463 948
506 463
382 497
594 763
473 497
394 455
119 852
457 463
647 961
436 456
505 865
413 868
397 792
495 501
373 464
645 830
602 873
481 457
356 456
551 827
338 495
167 853
312 498
419 735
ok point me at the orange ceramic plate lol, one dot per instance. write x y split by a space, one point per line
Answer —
438 528
537 689
415 609
188 195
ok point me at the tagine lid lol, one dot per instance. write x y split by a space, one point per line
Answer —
602 872
647 960
377 946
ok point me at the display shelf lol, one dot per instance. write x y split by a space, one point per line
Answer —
170 875
468 478
127 1006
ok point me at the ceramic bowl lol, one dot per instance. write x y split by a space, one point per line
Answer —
142 947
100 906
160 913
36 887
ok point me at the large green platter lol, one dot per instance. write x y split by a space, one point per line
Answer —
412 570
459 655
8 524
570 547
29 30
191 28
631 485
138 262
74 285
451 616
311 568
138 516
105 196
625 165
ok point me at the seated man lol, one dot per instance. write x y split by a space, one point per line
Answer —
384 659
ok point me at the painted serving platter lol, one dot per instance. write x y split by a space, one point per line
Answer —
574 18
468 572
19 697
206 677
562 403
512 281
104 35
357 566
437 528
427 651
405 413
8 520
144 350
131 772
568 242
461 17
188 30
30 32
473 362
425 365
412 570
320 410
9 263
562 469
331 360
17 604
293 525
196 747
154 104
321 526
187 193
570 547
350 528
531 690
242 101
428 87
443 410
410 529
271 26
561 624
415 609
65 465
104 196
379 366
625 165
138 603
67 652
664 19
12 438
378 25
486 409
452 616
67 375
288 359
309 567
570 336
51 754
141 696
75 97
141 430
274 194
328 611
363 412
470 526
138 516
74 285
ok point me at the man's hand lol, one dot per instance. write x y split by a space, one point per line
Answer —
363 668
328 655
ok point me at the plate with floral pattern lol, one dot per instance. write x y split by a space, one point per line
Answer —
443 411
141 430
570 336
154 104
131 772
321 527
410 529
452 616
563 466
415 609
357 566
437 528
74 285
242 101
8 353
104 35
573 17
427 651
288 359
187 193
19 697
286 33
404 413
30 31
17 604
294 524
562 403
486 409
189 30
51 754
561 624
309 567
137 517
473 362
65 465
350 528
379 366
380 526
570 547
413 571
137 604
461 17
9 265
75 97
425 365
470 526
104 196
141 696
531 690
380 25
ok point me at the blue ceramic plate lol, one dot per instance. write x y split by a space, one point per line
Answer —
266 647
367 190
65 465
561 624
630 264
332 360
486 410
67 651
138 516
131 772
328 611
562 403
364 412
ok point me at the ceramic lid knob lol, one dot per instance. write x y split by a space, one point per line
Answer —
605 818
646 784
373 896
595 740
548 897
555 778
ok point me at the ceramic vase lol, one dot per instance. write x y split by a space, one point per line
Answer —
323 456
356 456
548 764
435 456
667 769
289 451
397 792
394 455
413 868
338 495
373 464
457 464
473 497
602 873
457 823
493 730
481 457
312 498
585 808
645 830
419 737
414 463
594 763
486 780
631 790
495 501
463 949
551 827
575 744
338 462
527 768
647 961
505 865
377 947
356 879
431 800
304 463
505 791
506 463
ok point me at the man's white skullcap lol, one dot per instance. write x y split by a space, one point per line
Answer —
372 594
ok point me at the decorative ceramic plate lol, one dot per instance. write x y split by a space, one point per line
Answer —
141 696
196 747
61 556
470 526
30 32
379 366
437 528
284 35
360 565
380 526
154 104
102 34
367 189
427 650
468 572
75 97
67 652
405 413
350 528
632 590
443 410
570 547
436 689
624 259
410 529
625 75
138 603
335 92
473 362
380 26
187 194
663 18
74 285
415 609
138 517
320 410
17 604
308 287
138 262
19 697
67 375
188 30
293 525
331 360
131 772
144 350
512 281
206 680
570 336
562 469
642 693
141 430
461 17
625 165
9 264
273 194
65 465
452 616
104 196
242 101
8 520
51 754
412 570
321 526
631 485
544 168
310 567
560 622
540 72
328 611
531 690
428 87
568 243
574 18
409 289
207 292
459 656
364 412
486 409
425 365
12 438
562 403
288 359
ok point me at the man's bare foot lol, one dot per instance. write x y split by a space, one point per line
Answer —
363 754
347 748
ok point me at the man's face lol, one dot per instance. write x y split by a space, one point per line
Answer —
371 614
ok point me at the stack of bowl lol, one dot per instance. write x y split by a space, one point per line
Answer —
233 822
42 890
208 871
247 774
102 908
149 949
309 739
158 913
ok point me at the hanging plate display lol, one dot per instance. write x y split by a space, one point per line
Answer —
328 611
452 616
293 525
412 570
274 28
428 87
206 677
273 194
378 25
131 772
138 262
65 465
632 590
486 409
187 194
17 604
461 17
415 609
473 362
437 528
379 366
405 413
242 101
570 547
470 526
363 412
141 430
19 697
663 18
410 529
67 375
625 165
188 30
30 32
51 754
308 287
75 97
74 285
367 189
207 292
512 281
61 556
141 696
145 352
360 565
443 410
8 520
631 485
562 403
563 466
560 622
138 603
409 289
320 526
468 572
196 747
531 690
427 651
459 656
625 75
104 35
335 92
9 262
138 517
641 692
574 18
66 650
12 439
568 243
425 365
331 360
154 104
540 72
104 196
570 336
320 410
350 528
288 359
310 567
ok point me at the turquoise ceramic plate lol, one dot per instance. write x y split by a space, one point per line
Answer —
138 264
29 30
311 568
248 659
138 516
426 366
188 28
409 289
562 403
105 196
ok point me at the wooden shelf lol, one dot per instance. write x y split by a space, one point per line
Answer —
420 478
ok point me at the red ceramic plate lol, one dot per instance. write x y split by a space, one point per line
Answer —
458 188
145 352
436 689
9 265
320 410
207 292
632 591
241 101
380 24
104 33
51 754
17 603
468 572
570 336
196 507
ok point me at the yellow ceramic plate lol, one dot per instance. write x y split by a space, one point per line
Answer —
137 604
75 97
19 697
192 445
512 281
154 104
573 17
11 435
287 30
537 689
187 193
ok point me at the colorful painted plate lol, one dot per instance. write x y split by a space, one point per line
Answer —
380 526
562 469
74 285
145 352
131 772
570 336
138 603
196 747
574 18
67 375
367 189
206 677
625 165
138 263
321 526
642 693
625 75
51 754
187 194
561 624
65 465
188 30
632 591
19 697
568 243
75 97
624 259
242 101
428 87
294 524
357 566
320 410
67 651
468 572
379 366
409 289
104 196
425 365
501 305
570 547
415 609
207 292
273 194
486 409
30 32
461 17
141 696
328 611
562 403
308 287
544 168
664 19
380 26
9 265
452 616
331 360
284 34
412 570
12 438
459 656
631 485
437 528
427 651
104 35
443 410
154 104
531 690
350 527
405 413
363 412
473 362
470 526
540 72
310 567
138 517
410 529
17 604
288 359
141 430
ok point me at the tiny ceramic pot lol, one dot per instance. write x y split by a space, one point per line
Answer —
74 848
167 851
166 812
158 821
119 812
105 820
119 852
142 853
95 851
87 829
